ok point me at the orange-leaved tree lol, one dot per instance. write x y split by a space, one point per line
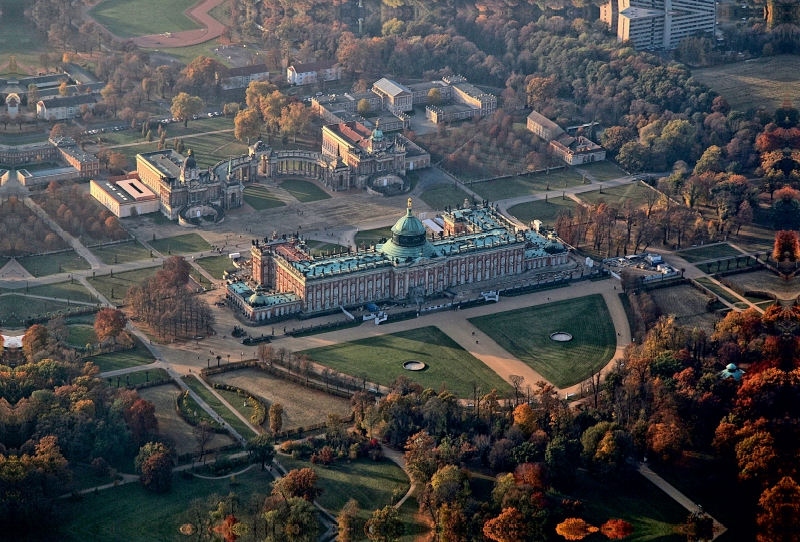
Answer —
575 529
509 526
109 323
616 529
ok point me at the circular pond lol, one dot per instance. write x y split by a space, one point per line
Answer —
561 336
413 365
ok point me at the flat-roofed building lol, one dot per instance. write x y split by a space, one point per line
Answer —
658 24
396 97
469 94
85 163
124 196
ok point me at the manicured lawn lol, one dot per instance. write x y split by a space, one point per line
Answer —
710 252
209 148
187 54
63 290
124 359
529 184
618 195
125 17
130 513
368 482
603 171
218 406
16 308
238 402
304 191
382 359
63 262
81 335
199 126
181 244
371 237
139 377
718 290
653 514
546 211
525 333
126 252
440 195
215 265
115 287
260 198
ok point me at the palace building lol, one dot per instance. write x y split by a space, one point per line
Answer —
477 244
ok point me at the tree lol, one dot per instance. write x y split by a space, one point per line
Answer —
203 433
780 519
633 156
261 449
63 89
384 525
142 421
33 96
275 417
575 529
34 341
148 450
346 521
420 457
509 526
525 419
109 323
295 118
205 71
300 483
232 109
247 124
434 97
185 106
616 529
110 94
117 162
711 161
58 130
363 107
157 473
540 89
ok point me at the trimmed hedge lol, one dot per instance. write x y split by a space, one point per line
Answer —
260 414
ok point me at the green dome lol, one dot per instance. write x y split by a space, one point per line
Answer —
409 238
377 135
408 225
257 300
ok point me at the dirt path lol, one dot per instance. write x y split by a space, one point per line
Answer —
198 13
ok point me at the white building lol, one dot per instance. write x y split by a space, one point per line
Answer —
313 72
244 75
124 196
65 107
658 24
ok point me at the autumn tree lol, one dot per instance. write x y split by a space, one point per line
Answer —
525 418
346 522
420 457
261 449
275 417
384 525
109 323
786 246
58 130
300 483
575 529
247 124
157 473
616 529
363 107
434 97
142 421
509 526
205 72
185 106
780 519
34 341
295 118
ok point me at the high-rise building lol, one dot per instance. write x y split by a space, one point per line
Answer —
658 24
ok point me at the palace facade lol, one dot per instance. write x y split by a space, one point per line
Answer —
477 244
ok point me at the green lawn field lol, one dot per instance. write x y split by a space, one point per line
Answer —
218 406
529 184
62 290
208 148
711 252
525 333
440 195
180 244
115 287
130 513
131 18
124 359
304 191
603 171
618 195
125 252
16 308
382 357
546 211
81 335
215 265
62 262
368 482
260 198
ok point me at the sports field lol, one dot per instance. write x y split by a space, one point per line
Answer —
381 359
131 18
763 82
525 333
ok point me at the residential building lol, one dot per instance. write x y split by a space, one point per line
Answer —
244 75
572 150
543 127
658 24
64 107
124 196
313 72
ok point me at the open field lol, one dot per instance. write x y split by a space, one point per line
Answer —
546 211
189 53
138 377
130 513
123 359
63 290
122 253
382 357
301 406
181 244
218 406
304 191
199 126
115 287
757 83
368 482
370 237
529 184
62 262
618 195
209 148
18 34
525 333
260 198
170 423
603 171
215 265
687 304
711 252
441 195
81 335
16 308
766 281
124 17
718 290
